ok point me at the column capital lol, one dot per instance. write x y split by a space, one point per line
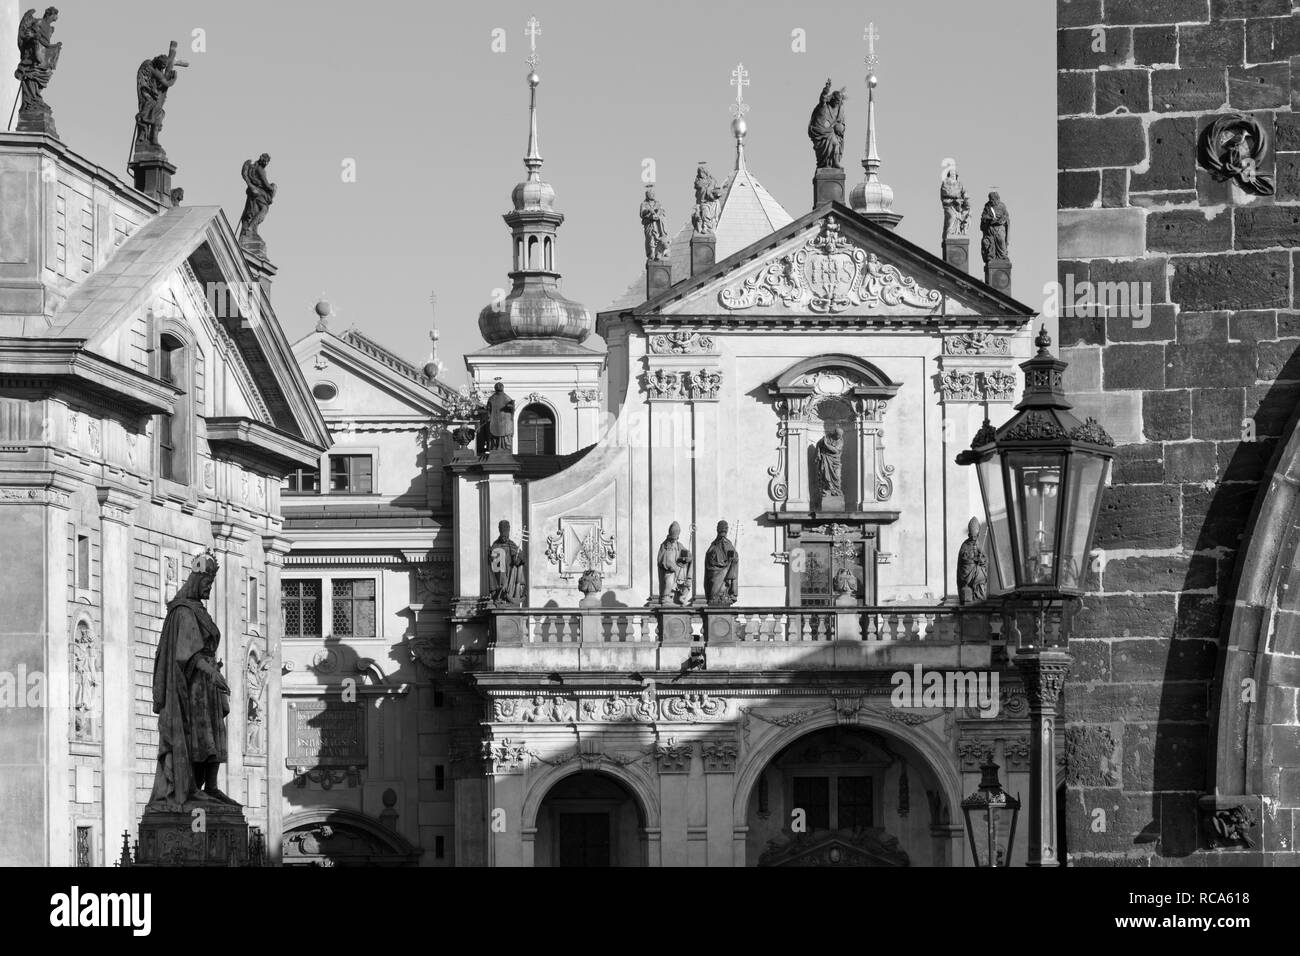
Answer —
1043 671
116 505
276 547
227 536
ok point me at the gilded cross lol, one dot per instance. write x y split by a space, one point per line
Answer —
871 35
533 29
740 80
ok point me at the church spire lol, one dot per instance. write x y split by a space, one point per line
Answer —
740 80
533 160
872 198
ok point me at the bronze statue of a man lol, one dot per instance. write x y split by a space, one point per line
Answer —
259 193
956 205
152 81
190 697
826 128
505 568
830 452
654 222
38 55
707 195
972 567
674 564
721 564
995 223
501 420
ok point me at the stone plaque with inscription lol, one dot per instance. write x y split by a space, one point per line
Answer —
326 734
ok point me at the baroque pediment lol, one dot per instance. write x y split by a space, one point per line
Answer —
828 275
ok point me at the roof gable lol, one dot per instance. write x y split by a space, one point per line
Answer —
832 265
378 382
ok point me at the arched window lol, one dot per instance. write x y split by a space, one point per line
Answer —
519 254
533 261
536 430
550 258
174 430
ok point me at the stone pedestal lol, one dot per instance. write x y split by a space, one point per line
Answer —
153 175
39 120
202 834
499 460
831 503
956 252
997 273
658 277
259 266
704 251
828 186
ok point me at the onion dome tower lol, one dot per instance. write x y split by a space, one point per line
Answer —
534 309
872 198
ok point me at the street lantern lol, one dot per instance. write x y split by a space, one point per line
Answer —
991 815
1041 476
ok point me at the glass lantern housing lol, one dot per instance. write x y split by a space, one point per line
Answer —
1041 476
991 814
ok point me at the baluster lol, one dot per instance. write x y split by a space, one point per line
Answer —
532 628
888 626
927 623
869 627
805 627
636 628
783 626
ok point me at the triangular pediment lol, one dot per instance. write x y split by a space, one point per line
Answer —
834 265
368 379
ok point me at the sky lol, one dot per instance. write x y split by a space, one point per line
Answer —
421 101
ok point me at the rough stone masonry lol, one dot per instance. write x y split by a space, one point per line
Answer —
1200 394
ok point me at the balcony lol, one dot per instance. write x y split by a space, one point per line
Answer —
623 640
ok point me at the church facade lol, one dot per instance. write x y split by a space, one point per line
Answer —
787 394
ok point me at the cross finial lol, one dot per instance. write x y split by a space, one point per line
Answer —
533 29
871 35
740 80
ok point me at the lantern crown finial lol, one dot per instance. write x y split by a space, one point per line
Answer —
1043 341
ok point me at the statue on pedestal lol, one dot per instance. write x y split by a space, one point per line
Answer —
830 452
826 128
972 567
190 697
38 55
674 564
707 196
956 205
995 223
153 80
501 420
259 193
721 564
505 568
654 222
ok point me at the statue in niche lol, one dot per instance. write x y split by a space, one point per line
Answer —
721 564
995 223
654 222
501 420
956 205
826 128
85 682
830 454
505 568
190 697
38 55
674 563
153 80
972 567
256 666
707 197
259 193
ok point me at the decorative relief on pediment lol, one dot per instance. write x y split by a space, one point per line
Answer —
829 275
976 343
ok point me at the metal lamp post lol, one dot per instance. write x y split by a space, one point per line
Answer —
991 814
1041 475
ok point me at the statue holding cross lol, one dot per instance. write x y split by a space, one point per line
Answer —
152 81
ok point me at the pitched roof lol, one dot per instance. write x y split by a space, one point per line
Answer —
747 214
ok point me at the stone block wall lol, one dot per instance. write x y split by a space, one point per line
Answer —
1198 383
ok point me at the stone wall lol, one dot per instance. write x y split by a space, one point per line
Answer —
1199 389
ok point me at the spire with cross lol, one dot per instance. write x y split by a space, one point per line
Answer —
740 80
533 159
872 197
532 29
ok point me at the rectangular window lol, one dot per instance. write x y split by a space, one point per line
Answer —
301 605
812 795
169 372
354 608
351 474
439 777
166 448
854 808
304 481
254 616
83 561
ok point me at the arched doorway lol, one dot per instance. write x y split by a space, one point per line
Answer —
590 819
332 837
847 796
